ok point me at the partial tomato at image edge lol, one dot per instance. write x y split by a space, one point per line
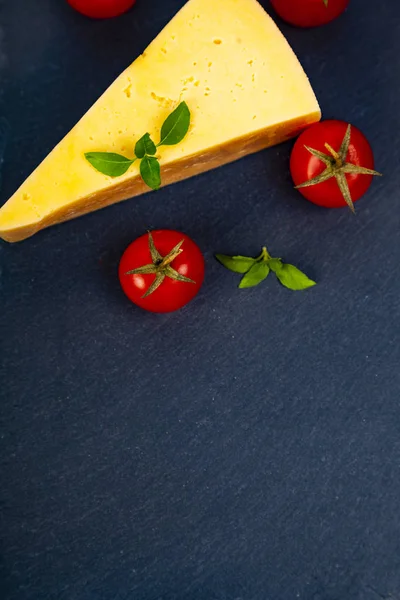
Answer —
101 9
309 13
332 164
162 270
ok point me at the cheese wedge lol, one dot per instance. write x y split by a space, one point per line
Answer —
245 90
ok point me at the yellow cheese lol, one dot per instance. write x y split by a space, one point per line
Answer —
243 84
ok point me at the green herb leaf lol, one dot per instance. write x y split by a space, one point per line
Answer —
150 172
291 277
109 163
237 264
258 272
275 264
145 146
175 126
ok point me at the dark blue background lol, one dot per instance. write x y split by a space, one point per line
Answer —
247 447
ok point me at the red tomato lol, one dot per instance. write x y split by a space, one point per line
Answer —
162 271
101 9
309 13
340 156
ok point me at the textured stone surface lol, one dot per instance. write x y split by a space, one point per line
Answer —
248 447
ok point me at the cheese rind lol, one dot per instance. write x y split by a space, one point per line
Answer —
243 84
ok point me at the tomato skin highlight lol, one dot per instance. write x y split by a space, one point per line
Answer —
171 295
304 166
309 13
101 9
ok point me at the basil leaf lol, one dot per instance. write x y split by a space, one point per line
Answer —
145 146
109 163
292 278
150 172
237 264
275 264
175 126
256 275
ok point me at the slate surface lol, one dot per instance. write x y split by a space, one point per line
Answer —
248 447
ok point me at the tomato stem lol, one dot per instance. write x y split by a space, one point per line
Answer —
171 257
334 154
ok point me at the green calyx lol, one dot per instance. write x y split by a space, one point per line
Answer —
337 167
160 267
255 270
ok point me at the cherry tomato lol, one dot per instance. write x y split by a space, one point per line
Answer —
309 13
101 9
332 164
162 270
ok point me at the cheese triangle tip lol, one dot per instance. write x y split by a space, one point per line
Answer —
244 87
